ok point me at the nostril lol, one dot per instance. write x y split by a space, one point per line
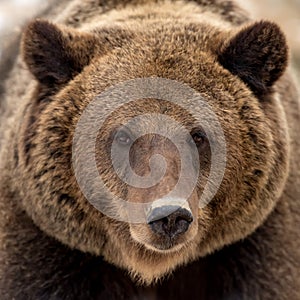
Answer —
174 224
183 216
182 224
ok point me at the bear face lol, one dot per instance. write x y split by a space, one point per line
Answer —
234 72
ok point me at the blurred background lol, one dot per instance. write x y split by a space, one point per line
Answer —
285 12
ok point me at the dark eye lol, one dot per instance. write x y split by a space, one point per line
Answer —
199 137
123 138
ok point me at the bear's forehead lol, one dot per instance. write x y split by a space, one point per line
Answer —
197 69
179 36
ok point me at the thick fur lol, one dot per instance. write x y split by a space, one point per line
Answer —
243 245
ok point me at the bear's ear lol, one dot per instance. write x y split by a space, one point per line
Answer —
55 54
258 54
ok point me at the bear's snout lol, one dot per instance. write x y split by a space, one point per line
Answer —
170 221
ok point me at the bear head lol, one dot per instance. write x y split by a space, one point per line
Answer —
232 70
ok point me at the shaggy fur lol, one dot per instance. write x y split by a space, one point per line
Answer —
243 245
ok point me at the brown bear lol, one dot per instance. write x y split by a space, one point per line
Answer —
202 64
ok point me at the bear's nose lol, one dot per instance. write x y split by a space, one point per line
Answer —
170 221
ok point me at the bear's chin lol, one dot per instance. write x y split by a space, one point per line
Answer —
147 264
155 264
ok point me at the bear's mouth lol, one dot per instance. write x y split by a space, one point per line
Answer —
159 243
168 245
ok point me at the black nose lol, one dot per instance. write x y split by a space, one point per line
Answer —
170 221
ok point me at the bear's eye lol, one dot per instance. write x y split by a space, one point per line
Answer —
199 137
123 138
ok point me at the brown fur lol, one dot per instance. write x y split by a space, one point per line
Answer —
244 245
